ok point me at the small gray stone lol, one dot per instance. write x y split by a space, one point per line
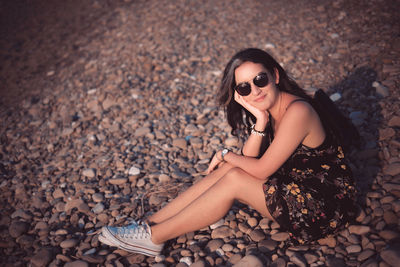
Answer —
134 171
381 90
98 208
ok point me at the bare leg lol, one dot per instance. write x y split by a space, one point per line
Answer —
185 198
213 204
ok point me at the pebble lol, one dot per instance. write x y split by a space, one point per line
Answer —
217 224
134 171
18 228
214 244
118 181
391 256
365 254
353 249
99 208
279 262
199 263
69 243
280 236
77 263
257 235
90 173
359 229
335 97
268 244
392 169
142 131
221 232
249 260
98 197
42 257
380 89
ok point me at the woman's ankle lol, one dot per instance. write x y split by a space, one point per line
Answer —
154 238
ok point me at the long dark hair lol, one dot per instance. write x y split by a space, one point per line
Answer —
238 117
336 125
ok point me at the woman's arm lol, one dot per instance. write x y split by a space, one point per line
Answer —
294 127
253 144
251 147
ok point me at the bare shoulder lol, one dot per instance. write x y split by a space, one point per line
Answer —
300 109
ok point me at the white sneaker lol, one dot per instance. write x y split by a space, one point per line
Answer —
133 238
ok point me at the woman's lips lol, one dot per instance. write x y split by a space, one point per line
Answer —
260 98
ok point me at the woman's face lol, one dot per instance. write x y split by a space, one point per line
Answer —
262 98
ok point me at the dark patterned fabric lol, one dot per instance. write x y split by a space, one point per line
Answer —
312 194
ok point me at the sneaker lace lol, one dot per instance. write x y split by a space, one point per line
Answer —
135 231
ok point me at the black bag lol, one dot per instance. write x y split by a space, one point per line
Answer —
339 126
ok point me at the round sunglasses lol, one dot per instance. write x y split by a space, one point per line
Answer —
260 80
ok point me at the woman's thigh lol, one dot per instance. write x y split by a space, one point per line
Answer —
247 189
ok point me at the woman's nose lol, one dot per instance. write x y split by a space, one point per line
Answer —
255 90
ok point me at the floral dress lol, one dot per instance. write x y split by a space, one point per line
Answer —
312 194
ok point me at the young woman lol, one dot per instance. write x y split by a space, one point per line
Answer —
291 170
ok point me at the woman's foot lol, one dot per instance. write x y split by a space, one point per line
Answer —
133 238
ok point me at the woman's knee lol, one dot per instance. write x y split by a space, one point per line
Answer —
234 176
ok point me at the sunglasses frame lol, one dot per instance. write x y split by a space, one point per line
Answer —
244 88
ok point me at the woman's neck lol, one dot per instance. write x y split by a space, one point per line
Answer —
277 110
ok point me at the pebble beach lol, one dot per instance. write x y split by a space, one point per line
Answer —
108 110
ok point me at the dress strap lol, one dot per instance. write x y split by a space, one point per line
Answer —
296 100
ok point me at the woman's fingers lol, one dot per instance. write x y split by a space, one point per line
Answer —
213 164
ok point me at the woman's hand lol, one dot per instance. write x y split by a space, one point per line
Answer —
215 161
261 115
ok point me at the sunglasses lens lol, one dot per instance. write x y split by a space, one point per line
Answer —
261 80
243 89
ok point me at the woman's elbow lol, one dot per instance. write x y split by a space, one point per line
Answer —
261 176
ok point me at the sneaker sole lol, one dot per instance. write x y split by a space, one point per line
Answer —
104 240
112 241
